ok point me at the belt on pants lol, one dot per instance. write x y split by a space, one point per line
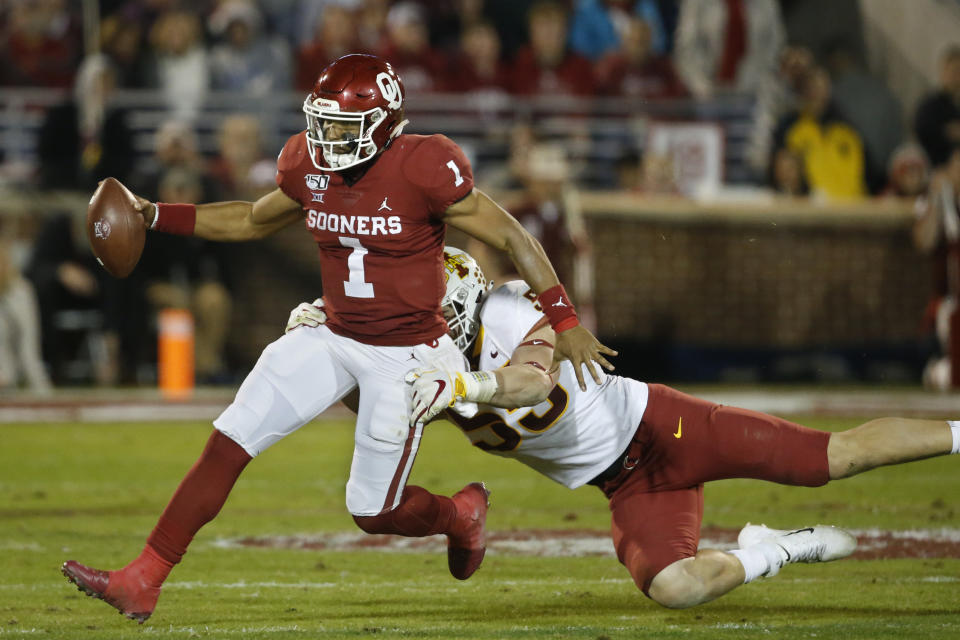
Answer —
620 463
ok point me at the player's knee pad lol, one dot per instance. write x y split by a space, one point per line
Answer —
259 416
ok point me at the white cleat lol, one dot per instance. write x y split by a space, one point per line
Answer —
820 543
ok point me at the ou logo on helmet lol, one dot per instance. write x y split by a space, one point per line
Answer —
390 89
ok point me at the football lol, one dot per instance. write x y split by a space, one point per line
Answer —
115 228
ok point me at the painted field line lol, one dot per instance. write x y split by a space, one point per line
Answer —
56 585
874 543
121 405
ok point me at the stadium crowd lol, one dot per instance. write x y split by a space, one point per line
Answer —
820 124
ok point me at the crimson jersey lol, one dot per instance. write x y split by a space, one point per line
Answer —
381 238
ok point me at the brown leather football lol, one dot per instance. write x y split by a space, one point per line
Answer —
115 228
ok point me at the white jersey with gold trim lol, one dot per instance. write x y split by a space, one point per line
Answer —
573 435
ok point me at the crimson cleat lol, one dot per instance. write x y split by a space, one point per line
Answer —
467 540
131 597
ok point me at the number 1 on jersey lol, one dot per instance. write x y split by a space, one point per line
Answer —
356 286
458 179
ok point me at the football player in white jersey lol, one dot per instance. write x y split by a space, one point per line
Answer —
649 448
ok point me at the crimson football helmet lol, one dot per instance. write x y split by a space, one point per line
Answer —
353 111
466 287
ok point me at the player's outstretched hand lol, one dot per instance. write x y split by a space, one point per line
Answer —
306 314
431 391
581 348
147 209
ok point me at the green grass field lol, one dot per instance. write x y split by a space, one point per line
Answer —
92 492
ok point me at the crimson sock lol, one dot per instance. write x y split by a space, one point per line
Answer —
420 513
147 570
196 502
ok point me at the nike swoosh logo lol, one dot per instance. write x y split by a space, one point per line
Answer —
679 432
494 354
785 551
441 385
810 529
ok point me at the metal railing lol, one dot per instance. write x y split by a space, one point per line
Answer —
594 130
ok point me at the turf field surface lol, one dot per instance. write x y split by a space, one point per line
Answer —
91 492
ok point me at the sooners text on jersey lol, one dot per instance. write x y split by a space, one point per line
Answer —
381 239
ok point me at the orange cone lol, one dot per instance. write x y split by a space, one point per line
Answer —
175 353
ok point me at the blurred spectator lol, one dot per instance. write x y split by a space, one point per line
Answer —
477 66
177 62
629 171
658 174
407 47
244 57
20 358
633 70
871 107
546 66
832 150
336 35
41 44
787 175
510 19
174 146
908 172
68 281
447 21
511 174
121 39
816 24
308 15
592 30
188 273
727 44
286 19
778 96
86 139
372 24
240 152
649 173
549 208
661 15
937 121
937 231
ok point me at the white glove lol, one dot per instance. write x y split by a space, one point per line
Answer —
433 389
306 314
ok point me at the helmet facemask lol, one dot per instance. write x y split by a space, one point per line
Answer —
351 134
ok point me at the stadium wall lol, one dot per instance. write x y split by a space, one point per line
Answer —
767 290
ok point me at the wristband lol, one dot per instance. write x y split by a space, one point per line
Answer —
178 219
558 308
475 386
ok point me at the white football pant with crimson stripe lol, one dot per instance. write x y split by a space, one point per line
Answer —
300 375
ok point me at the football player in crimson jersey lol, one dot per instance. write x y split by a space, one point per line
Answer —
376 202
649 448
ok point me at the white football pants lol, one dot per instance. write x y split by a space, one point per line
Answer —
300 375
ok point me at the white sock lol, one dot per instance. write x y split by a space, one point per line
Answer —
955 428
762 559
754 563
